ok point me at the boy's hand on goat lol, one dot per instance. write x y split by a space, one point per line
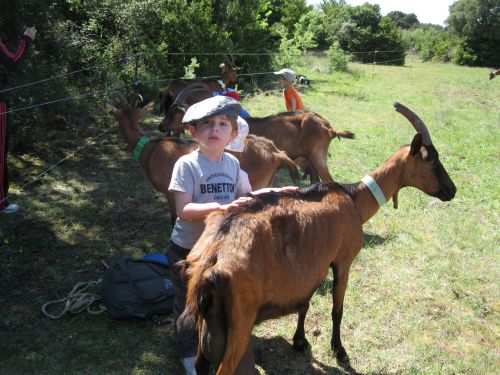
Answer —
236 203
276 190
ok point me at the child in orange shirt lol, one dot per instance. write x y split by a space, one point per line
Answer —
292 98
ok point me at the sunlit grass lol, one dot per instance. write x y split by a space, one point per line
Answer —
423 294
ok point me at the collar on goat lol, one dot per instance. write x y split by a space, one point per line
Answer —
143 141
222 84
374 189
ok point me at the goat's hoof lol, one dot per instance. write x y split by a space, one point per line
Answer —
343 359
301 345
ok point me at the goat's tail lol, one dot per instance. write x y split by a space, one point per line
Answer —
290 165
341 134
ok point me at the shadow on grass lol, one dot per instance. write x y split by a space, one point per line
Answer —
372 240
276 356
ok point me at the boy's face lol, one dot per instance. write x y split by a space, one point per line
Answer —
283 82
215 133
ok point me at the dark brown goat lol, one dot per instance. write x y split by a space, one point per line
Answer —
266 259
260 157
494 73
300 134
174 88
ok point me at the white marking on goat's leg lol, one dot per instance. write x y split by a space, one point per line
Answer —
339 286
300 342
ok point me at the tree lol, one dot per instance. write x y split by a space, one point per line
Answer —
478 22
403 20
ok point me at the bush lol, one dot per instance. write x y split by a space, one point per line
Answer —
337 58
464 55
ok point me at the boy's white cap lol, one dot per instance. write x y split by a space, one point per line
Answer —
287 74
238 143
216 105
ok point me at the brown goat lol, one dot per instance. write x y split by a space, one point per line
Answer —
302 134
266 259
260 157
494 73
174 88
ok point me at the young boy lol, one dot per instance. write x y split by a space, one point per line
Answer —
203 181
292 98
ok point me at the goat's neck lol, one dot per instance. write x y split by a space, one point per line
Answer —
388 177
131 132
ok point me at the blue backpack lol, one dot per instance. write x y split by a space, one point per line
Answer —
138 287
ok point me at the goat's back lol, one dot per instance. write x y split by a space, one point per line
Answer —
275 252
293 132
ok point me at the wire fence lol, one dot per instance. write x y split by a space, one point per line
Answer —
136 83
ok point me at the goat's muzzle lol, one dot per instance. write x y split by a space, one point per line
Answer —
447 193
447 189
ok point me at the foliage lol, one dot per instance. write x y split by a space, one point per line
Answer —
106 35
288 51
313 23
438 45
464 55
478 22
288 13
337 58
361 29
403 20
189 70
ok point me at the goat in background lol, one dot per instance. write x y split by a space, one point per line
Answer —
266 259
304 136
173 89
494 73
260 157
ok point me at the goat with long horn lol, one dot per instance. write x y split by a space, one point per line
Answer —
266 259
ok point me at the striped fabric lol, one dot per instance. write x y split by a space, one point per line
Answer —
17 54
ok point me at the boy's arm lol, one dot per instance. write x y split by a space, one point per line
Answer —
187 210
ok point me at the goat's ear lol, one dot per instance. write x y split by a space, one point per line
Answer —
416 144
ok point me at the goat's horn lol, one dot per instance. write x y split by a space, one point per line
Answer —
415 121
138 100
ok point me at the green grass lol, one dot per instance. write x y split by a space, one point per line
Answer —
423 294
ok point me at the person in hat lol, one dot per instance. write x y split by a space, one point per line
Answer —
10 60
293 101
206 180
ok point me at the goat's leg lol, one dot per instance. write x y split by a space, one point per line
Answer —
238 337
300 342
247 363
202 365
318 161
339 286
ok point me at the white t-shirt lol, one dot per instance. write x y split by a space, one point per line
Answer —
207 181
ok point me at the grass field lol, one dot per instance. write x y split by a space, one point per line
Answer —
423 294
